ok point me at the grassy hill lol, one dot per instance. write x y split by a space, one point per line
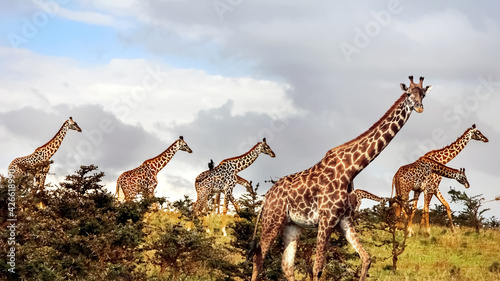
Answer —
462 255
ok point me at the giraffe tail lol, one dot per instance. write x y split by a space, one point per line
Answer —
253 244
392 187
119 193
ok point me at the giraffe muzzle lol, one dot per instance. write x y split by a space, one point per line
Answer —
419 108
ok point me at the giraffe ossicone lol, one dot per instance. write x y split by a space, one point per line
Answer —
319 196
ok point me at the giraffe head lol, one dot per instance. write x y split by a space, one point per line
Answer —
72 125
475 134
182 145
416 93
462 178
264 148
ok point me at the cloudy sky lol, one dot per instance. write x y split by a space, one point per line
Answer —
136 75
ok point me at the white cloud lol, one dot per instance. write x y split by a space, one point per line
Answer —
87 17
114 5
136 89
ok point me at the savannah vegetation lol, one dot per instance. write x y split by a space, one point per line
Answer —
80 232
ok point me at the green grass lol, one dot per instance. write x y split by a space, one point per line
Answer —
462 255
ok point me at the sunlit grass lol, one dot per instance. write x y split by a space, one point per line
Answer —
462 255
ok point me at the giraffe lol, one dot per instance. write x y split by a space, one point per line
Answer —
144 178
319 196
240 181
202 186
224 177
37 164
359 194
443 156
415 176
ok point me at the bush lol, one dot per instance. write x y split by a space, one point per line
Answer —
81 233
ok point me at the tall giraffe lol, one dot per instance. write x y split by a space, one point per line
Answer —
144 178
37 164
443 156
224 177
319 196
416 176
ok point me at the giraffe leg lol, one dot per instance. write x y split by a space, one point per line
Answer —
228 196
201 201
152 187
40 178
321 243
273 221
291 234
399 210
199 191
424 223
235 203
325 229
217 202
447 206
200 204
40 183
351 236
416 194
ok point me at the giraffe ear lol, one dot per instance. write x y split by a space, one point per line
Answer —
427 89
403 87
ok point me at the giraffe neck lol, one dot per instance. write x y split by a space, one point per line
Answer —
359 152
159 162
442 170
49 149
244 161
445 154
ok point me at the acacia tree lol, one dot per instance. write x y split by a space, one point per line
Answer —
381 219
471 215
